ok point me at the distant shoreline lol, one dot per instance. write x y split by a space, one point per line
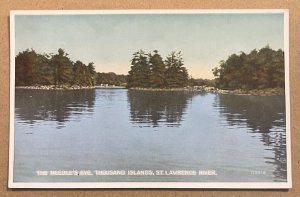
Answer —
258 92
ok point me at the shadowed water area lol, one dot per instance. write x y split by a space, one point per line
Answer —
241 137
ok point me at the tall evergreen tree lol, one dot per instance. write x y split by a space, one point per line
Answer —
158 68
176 74
44 70
139 74
62 68
79 74
26 68
91 73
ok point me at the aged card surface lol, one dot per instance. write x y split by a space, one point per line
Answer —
150 99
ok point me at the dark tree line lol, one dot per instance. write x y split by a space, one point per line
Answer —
34 69
262 68
201 82
151 71
54 69
111 79
258 69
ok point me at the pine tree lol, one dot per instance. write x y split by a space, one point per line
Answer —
62 68
139 74
158 68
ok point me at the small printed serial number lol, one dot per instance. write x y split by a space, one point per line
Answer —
257 172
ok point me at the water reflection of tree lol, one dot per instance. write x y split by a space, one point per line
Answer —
53 105
264 115
157 108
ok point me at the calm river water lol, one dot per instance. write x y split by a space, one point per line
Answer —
241 138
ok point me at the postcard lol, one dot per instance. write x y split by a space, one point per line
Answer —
150 99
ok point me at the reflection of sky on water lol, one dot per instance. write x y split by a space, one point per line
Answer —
158 108
230 133
37 106
264 116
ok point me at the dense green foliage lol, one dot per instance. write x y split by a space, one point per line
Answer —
258 69
37 69
151 71
32 68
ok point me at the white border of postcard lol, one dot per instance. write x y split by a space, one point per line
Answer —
244 185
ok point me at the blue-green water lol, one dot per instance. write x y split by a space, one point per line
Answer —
242 138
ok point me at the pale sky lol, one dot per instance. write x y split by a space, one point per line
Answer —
110 40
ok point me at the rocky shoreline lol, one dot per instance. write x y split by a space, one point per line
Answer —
195 89
257 92
53 87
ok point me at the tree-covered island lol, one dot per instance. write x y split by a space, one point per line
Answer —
257 72
259 69
59 71
151 71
